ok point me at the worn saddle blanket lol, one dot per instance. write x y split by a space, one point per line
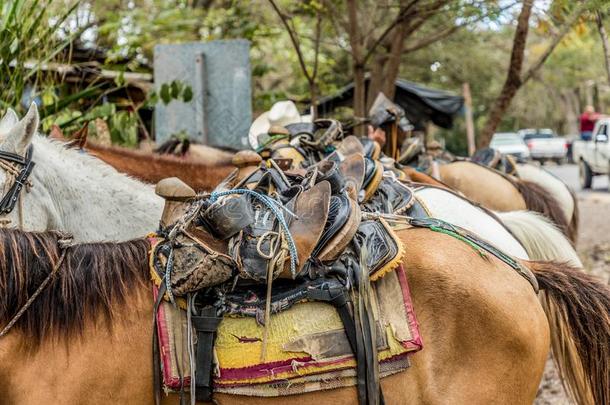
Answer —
307 347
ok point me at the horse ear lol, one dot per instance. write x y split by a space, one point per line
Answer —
9 120
79 138
20 135
56 133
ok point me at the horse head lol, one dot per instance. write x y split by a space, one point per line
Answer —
21 204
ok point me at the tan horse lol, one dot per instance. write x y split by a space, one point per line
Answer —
87 338
503 193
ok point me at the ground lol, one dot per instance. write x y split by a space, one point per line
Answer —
594 250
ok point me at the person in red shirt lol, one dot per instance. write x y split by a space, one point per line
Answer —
587 123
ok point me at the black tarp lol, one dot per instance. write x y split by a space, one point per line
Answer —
421 104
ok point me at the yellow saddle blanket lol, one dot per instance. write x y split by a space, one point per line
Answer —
307 348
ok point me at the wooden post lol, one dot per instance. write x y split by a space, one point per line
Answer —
468 117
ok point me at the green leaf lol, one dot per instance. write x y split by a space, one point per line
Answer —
165 93
187 94
120 79
176 87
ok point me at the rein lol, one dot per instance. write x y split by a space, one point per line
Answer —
62 245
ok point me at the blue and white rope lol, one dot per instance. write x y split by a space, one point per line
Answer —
168 276
276 208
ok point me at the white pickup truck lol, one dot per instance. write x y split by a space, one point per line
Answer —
544 145
593 157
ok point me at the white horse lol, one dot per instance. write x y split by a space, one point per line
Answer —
554 186
75 192
79 194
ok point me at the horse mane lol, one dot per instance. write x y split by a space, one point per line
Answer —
574 221
169 147
152 168
91 282
539 200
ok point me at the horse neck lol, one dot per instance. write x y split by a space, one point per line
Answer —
94 201
199 174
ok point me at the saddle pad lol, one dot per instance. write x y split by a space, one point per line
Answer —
307 349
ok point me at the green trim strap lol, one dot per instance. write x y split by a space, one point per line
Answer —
438 225
271 139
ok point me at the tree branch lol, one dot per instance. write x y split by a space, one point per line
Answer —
317 45
353 32
447 32
604 38
293 39
402 14
557 37
513 77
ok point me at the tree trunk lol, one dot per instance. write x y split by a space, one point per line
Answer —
604 37
313 95
359 93
386 66
393 65
378 73
513 78
356 43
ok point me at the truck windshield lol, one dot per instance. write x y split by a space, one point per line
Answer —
537 136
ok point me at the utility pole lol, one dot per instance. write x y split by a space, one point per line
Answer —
468 117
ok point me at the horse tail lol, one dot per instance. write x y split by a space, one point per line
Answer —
539 200
574 221
540 237
578 310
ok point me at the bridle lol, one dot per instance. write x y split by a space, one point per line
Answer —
25 165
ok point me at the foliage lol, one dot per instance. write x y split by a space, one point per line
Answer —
28 44
476 53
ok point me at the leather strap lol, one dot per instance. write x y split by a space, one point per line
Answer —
339 298
7 204
206 325
155 343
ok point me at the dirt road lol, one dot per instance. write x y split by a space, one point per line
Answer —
594 250
594 231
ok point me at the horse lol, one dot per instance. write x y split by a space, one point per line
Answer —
504 193
86 338
86 197
201 170
557 188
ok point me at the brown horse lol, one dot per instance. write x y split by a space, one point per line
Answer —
151 168
200 173
503 193
86 339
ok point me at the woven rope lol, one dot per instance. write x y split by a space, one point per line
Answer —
276 208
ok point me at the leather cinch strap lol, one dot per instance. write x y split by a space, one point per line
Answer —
206 325
338 297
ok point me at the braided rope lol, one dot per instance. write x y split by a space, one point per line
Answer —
276 208
35 295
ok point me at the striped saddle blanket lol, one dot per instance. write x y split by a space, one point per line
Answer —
306 346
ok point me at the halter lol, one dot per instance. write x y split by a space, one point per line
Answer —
8 202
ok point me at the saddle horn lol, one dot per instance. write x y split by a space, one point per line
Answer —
175 193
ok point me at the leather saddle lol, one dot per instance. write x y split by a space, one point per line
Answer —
286 221
492 158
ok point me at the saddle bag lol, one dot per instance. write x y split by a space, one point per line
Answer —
190 264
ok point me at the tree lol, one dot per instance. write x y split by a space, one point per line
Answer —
515 78
604 38
381 33
310 75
